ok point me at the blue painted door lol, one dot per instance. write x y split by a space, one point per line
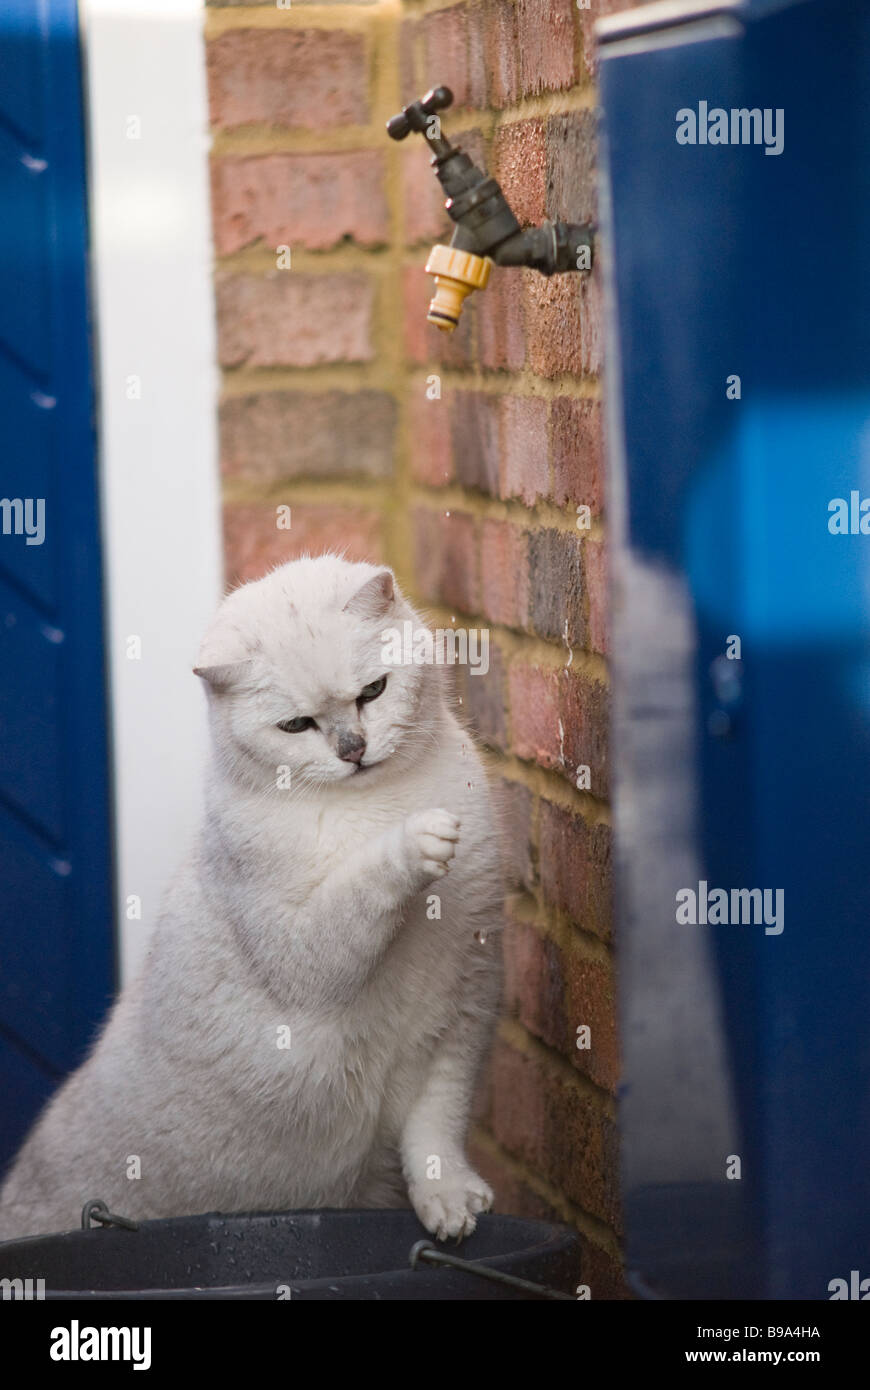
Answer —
742 414
56 936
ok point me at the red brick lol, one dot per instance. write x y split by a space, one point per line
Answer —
502 43
560 719
595 575
525 468
554 991
546 45
408 32
446 559
475 437
500 322
504 573
588 18
578 453
588 47
419 337
520 165
584 709
477 57
424 342
514 1196
534 705
473 142
482 700
299 200
284 319
515 815
554 329
290 434
445 50
541 1116
308 78
481 1102
574 865
603 1274
555 586
429 438
253 544
425 218
591 322
571 182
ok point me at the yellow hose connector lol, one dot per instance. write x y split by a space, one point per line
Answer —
456 273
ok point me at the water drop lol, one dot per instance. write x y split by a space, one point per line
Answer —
481 937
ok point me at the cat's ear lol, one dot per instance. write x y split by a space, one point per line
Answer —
228 676
375 598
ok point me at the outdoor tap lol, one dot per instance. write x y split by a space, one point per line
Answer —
487 232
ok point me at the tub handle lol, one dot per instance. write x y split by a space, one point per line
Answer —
96 1210
430 1254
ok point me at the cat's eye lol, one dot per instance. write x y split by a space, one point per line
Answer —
297 726
372 691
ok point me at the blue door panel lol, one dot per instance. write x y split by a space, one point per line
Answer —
31 773
26 36
56 928
25 259
724 531
28 1083
34 997
26 470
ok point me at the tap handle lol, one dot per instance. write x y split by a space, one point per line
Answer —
416 116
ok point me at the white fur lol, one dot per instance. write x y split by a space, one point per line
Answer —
303 908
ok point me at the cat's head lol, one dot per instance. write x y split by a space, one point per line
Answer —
300 676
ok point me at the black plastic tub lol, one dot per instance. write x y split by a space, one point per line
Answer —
309 1254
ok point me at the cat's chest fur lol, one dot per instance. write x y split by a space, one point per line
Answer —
291 844
274 854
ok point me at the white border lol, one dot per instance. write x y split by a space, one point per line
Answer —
151 282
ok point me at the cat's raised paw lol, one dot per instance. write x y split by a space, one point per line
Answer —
431 837
449 1207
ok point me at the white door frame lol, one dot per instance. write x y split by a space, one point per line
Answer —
151 287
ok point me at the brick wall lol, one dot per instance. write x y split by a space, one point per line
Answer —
461 461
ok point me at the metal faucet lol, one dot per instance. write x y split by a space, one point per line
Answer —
487 231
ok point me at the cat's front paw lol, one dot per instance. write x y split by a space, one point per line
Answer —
430 839
450 1206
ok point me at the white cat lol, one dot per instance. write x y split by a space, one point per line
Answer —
319 991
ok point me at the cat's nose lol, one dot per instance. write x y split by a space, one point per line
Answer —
351 747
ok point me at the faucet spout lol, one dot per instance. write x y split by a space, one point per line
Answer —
487 231
551 248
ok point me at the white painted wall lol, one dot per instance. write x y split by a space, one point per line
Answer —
152 292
